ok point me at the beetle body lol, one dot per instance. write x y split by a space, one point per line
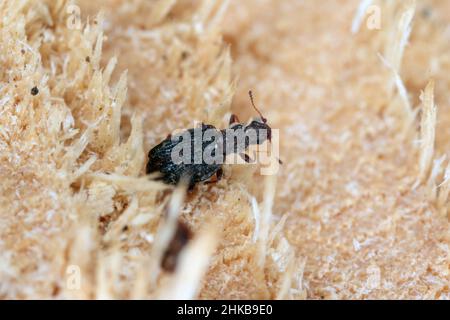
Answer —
160 160
235 139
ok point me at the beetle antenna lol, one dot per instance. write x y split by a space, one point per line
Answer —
250 93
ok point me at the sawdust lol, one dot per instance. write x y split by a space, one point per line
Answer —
360 206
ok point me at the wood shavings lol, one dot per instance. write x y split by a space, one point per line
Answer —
266 216
192 265
80 219
358 19
427 131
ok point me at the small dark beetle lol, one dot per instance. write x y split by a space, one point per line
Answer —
160 157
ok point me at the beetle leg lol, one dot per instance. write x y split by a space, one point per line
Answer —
191 186
247 158
234 119
219 175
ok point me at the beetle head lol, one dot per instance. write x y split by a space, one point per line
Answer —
262 130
